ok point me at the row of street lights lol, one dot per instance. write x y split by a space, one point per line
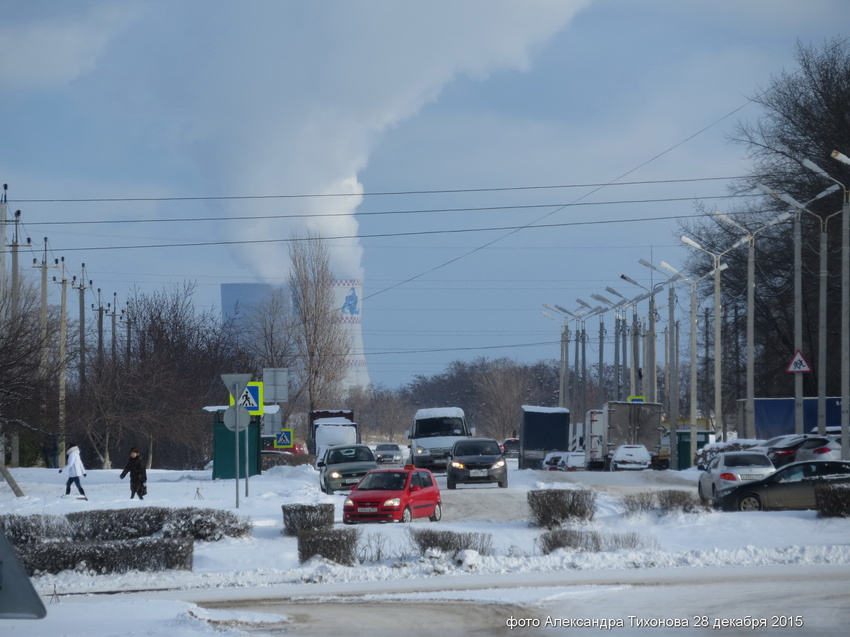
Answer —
748 238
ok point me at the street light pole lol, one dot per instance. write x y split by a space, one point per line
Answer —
845 314
750 239
718 347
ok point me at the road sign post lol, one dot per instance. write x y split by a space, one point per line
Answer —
236 384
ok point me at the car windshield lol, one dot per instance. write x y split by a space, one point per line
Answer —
432 427
383 481
386 447
478 448
748 460
350 454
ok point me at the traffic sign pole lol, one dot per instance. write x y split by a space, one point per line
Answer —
236 384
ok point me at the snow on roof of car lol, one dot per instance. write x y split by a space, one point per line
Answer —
439 412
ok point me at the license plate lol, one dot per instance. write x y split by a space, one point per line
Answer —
367 509
747 476
351 480
478 473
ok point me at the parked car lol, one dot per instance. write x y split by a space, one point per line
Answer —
475 460
342 466
791 487
730 469
630 457
564 461
394 495
764 445
820 448
510 448
785 452
389 453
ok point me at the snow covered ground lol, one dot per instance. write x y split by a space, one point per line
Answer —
719 568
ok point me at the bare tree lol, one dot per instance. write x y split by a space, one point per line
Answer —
323 345
805 116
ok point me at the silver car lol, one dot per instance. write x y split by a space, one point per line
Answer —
731 469
820 448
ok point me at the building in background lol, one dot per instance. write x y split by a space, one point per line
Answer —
237 299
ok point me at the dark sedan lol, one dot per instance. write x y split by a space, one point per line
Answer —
790 487
474 460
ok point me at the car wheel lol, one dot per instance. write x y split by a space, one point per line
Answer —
438 513
713 492
750 502
406 516
450 484
702 497
327 489
504 484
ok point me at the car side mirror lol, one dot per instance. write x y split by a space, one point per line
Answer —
701 467
320 464
414 488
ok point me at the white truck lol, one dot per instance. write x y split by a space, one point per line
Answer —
434 432
333 431
588 438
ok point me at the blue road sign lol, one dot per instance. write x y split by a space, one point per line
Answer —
284 439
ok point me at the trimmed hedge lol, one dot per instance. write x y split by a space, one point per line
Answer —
336 545
450 542
125 524
832 500
552 507
120 556
307 517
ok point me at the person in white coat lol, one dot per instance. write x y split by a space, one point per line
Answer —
75 470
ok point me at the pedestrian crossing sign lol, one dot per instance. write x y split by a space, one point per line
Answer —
252 398
284 439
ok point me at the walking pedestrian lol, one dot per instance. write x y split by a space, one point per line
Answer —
75 470
138 476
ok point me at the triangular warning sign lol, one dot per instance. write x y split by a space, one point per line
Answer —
798 364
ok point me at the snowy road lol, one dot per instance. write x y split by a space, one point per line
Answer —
485 604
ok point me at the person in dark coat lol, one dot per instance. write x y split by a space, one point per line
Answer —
138 476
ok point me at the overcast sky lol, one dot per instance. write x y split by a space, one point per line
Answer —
218 113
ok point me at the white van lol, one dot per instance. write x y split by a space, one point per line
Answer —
434 432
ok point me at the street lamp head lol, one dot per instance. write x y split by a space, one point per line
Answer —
631 280
601 298
692 243
584 304
844 159
611 290
548 316
671 269
726 219
562 309
647 264
815 168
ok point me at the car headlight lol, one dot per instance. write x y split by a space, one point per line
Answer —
335 475
421 450
457 465
499 463
393 502
349 502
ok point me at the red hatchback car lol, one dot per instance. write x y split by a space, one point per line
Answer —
394 495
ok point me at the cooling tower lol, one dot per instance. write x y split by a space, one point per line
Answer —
347 297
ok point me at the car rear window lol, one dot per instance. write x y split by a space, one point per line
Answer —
749 460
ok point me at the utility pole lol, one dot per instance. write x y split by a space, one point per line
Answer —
600 398
114 317
63 364
44 360
82 290
14 439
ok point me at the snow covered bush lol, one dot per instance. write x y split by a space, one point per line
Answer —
304 517
127 524
337 545
450 542
673 500
29 529
551 507
588 541
832 500
634 503
118 556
